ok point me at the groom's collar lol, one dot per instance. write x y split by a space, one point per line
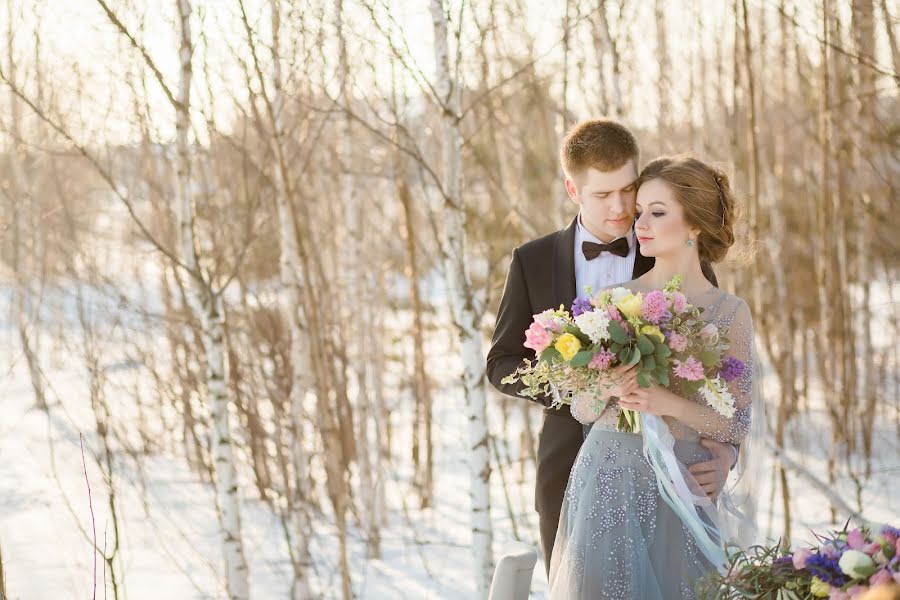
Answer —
583 235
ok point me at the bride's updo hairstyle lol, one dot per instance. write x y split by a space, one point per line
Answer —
705 194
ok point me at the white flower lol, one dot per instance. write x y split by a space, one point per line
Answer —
550 319
594 324
716 394
856 564
616 294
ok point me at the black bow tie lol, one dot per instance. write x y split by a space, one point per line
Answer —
592 250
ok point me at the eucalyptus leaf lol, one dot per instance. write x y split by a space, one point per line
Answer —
581 358
645 344
616 333
635 358
550 355
662 351
643 379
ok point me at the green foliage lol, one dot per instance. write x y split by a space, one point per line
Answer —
550 355
617 334
581 358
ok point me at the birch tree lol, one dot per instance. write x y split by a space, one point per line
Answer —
462 302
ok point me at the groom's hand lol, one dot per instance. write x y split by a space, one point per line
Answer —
712 474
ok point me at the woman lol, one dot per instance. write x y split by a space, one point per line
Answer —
624 533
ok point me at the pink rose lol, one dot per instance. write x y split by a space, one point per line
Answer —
880 577
679 302
800 557
677 342
855 540
872 549
708 332
537 338
838 594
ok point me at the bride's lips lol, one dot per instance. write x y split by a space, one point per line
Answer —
644 239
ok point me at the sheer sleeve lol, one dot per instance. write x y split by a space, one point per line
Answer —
703 418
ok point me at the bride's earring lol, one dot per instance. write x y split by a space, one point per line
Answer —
690 243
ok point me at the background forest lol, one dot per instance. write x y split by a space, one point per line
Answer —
251 253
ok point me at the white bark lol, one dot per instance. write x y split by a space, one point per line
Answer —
213 326
463 304
353 239
290 269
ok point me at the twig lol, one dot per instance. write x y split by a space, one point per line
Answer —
91 506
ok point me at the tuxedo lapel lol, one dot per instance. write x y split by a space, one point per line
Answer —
564 267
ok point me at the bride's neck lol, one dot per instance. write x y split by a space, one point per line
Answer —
687 265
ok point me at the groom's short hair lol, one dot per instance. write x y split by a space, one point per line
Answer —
602 144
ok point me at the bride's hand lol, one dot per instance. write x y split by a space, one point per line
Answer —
619 382
654 400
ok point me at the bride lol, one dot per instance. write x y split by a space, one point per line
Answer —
635 524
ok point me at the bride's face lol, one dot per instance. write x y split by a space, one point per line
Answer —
659 221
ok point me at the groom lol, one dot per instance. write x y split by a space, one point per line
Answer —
598 249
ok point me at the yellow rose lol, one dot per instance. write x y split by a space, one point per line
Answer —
568 345
630 305
654 331
819 588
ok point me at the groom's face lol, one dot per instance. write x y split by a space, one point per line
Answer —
605 199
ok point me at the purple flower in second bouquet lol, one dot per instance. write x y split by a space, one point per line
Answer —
732 368
580 306
826 569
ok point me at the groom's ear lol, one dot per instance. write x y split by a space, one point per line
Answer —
572 190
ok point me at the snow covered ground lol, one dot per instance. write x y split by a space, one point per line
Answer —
168 534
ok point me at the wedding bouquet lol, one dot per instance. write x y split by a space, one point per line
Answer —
843 565
659 333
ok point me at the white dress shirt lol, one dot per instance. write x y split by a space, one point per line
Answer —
605 270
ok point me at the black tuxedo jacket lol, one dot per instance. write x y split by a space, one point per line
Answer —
541 276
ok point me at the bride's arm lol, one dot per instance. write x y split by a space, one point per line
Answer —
701 417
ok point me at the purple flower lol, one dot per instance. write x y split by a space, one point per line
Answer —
655 307
731 368
783 564
891 534
826 569
581 305
602 360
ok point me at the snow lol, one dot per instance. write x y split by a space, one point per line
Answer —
169 546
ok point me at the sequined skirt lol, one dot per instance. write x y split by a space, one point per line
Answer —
617 539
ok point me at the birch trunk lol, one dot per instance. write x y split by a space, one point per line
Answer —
290 269
213 327
462 303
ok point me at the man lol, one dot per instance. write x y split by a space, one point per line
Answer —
598 249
